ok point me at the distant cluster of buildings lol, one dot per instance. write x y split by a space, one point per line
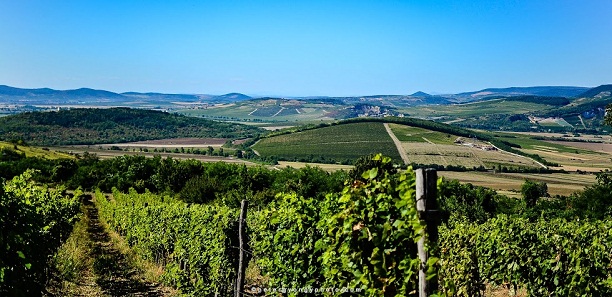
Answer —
376 112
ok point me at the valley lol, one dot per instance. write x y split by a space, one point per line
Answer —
300 162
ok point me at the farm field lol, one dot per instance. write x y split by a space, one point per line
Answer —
268 110
581 137
338 142
578 160
458 155
591 146
415 134
468 110
186 142
425 146
108 154
326 167
510 183
528 143
571 156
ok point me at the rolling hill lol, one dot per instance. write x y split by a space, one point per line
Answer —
601 91
420 142
545 91
113 125
342 143
231 97
540 108
33 152
47 95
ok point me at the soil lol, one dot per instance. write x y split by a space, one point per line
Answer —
111 273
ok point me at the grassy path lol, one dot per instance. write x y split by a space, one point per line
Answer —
398 144
108 268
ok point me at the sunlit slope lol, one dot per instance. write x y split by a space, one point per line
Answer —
35 151
341 143
345 142
425 146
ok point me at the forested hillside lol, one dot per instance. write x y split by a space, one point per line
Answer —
113 125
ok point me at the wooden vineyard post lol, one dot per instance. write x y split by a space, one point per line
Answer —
427 206
242 239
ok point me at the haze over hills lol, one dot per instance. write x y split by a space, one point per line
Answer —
548 91
420 94
86 95
603 90
543 108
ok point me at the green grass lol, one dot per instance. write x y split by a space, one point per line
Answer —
414 134
338 142
476 109
529 143
36 152
268 111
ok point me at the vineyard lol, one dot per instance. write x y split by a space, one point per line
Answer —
363 239
313 232
340 142
35 221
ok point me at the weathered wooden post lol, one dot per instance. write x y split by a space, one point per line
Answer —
242 239
427 206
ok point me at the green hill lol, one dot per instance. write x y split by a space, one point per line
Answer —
113 125
597 91
421 141
342 143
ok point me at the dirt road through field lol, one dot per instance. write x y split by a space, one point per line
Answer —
398 145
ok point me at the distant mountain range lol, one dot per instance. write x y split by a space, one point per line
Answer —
546 91
86 95
89 96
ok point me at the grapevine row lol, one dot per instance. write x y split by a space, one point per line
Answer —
34 221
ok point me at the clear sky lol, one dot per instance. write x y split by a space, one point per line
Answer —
300 48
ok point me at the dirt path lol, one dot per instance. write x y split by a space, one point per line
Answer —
115 275
517 155
110 272
398 145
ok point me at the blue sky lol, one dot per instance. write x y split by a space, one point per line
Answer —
291 48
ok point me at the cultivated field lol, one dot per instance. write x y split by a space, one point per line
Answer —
326 167
340 142
510 183
581 137
107 154
446 154
415 134
186 142
468 110
271 110
591 146
424 146
578 160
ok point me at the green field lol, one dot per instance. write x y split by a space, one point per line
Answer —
475 109
269 110
338 142
414 134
